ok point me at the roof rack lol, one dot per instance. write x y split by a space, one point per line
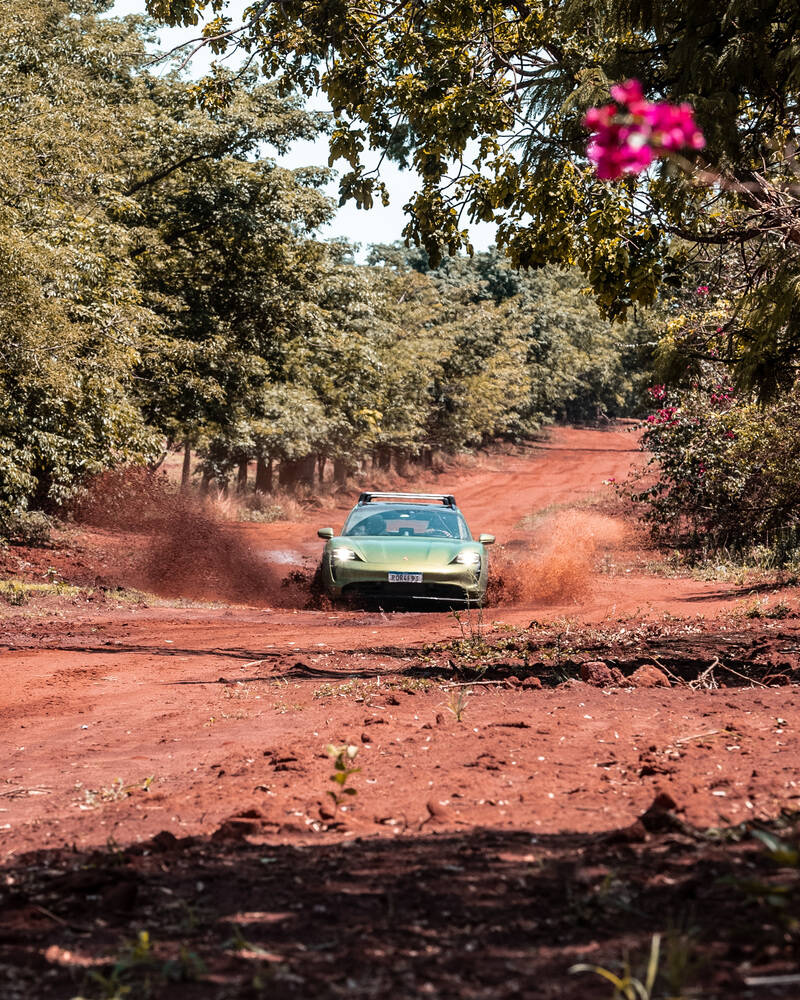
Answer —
444 498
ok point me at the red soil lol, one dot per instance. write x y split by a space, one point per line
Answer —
228 710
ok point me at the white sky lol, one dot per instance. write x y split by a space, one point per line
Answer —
376 225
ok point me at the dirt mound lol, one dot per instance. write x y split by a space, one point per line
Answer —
556 563
183 548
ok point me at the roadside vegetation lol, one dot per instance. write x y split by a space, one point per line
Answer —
163 286
719 490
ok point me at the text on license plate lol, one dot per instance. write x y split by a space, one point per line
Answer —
405 578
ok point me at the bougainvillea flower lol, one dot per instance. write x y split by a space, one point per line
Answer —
629 135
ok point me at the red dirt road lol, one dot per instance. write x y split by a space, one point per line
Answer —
196 697
122 721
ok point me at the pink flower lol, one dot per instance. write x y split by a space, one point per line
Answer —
674 125
628 92
628 136
702 291
657 392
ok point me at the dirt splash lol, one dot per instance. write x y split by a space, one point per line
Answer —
181 548
556 562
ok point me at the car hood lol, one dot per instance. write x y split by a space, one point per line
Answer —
406 551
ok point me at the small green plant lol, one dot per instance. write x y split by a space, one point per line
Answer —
135 961
343 770
763 609
457 702
136 971
116 791
626 985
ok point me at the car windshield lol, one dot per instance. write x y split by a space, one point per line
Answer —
407 522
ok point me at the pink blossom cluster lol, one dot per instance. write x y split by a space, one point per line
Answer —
722 395
657 392
664 417
629 135
702 291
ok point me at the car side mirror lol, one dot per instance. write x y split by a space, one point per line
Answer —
325 533
486 539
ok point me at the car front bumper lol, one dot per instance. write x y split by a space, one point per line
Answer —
452 582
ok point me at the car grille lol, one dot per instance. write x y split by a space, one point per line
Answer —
404 591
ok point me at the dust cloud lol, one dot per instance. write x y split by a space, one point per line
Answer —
555 563
181 548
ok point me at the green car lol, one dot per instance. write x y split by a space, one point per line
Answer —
401 546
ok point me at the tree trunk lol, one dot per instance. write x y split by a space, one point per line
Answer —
341 470
297 471
205 483
186 471
384 458
401 461
241 479
264 475
321 463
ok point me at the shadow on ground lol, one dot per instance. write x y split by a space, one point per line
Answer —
484 914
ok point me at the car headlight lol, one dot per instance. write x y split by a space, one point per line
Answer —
469 557
342 554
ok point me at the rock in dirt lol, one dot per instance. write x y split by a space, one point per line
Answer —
660 815
238 827
531 684
163 841
437 813
649 676
599 674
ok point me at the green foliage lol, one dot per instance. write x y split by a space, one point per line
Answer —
69 306
486 99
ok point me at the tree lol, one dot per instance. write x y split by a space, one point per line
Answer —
486 100
70 309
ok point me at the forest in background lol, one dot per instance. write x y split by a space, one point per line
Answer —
161 285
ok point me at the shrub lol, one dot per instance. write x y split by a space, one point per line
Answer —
723 470
29 527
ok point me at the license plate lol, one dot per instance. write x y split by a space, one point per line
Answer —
405 578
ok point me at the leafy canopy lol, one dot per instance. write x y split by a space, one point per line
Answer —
486 99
